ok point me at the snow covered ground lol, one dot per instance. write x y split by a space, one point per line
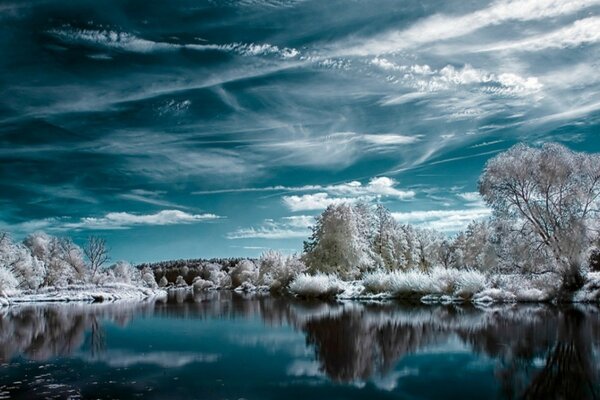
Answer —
83 293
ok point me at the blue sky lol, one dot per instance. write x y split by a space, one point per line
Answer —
198 129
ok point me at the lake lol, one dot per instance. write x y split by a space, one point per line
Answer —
223 345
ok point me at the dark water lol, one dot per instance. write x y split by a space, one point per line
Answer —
226 346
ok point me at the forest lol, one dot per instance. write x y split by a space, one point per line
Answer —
542 243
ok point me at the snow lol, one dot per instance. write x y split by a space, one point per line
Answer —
319 285
83 293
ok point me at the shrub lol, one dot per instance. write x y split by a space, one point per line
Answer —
319 285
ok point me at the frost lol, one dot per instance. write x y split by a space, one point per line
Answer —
319 285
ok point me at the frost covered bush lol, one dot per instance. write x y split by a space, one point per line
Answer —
463 283
200 284
377 282
180 282
27 269
126 273
319 285
148 278
62 258
469 282
215 273
277 271
410 283
244 271
8 282
163 282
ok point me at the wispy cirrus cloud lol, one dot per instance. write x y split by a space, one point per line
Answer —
440 27
580 32
297 226
125 41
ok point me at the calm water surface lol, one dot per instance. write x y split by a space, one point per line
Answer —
227 346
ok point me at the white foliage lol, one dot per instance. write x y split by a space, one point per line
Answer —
340 242
277 271
8 282
319 285
244 271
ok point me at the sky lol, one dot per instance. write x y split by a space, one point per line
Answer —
187 129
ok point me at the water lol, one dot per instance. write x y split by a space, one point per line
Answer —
227 346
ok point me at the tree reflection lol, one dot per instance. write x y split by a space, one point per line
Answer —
40 332
539 352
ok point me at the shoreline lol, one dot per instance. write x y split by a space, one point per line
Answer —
85 294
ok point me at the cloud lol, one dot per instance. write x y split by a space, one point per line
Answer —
443 220
336 149
124 41
119 220
426 79
297 226
379 186
149 197
347 193
317 201
390 139
583 31
470 196
442 27
111 221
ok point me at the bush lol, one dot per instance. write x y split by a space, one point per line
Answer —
8 282
319 285
244 271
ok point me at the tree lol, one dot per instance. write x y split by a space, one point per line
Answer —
551 192
63 259
97 253
385 243
339 242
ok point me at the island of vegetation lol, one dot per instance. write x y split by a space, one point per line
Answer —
541 244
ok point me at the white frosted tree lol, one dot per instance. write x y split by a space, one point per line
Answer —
474 248
388 243
16 258
244 271
340 242
277 271
551 192
63 259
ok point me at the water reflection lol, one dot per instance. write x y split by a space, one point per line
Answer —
538 352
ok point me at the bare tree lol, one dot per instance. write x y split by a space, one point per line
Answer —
97 253
552 192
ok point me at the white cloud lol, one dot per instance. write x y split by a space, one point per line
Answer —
297 226
113 220
317 201
334 149
470 196
441 27
120 220
583 31
443 220
125 41
347 193
426 79
390 139
149 197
